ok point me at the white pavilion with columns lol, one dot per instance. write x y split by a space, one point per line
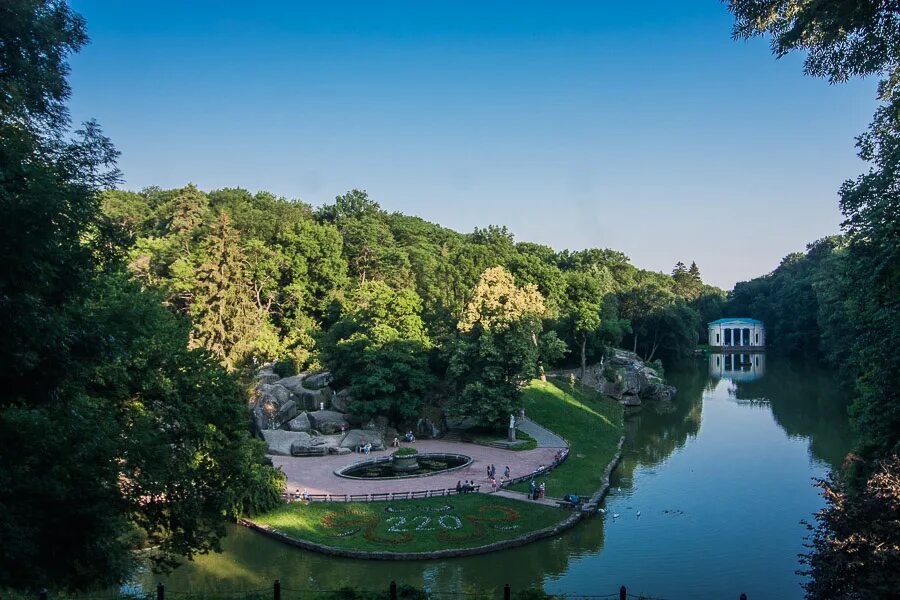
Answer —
737 333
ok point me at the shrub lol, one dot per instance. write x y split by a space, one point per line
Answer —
609 373
406 452
285 367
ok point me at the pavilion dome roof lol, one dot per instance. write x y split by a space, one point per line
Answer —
745 320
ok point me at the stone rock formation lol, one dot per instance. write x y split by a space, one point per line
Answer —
300 423
626 378
361 437
328 421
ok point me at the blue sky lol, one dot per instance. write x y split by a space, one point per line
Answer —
636 126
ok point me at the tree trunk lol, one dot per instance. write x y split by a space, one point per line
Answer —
583 357
635 343
653 347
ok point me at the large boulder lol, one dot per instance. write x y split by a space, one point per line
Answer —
270 392
341 400
319 380
274 405
316 445
300 423
633 381
260 422
267 375
306 445
426 429
361 437
287 412
280 441
328 421
317 399
293 383
658 392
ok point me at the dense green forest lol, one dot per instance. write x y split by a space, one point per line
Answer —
369 294
840 301
114 435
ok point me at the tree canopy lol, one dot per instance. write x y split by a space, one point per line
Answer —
844 293
114 435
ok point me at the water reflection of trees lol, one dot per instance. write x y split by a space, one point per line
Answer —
251 561
806 401
656 431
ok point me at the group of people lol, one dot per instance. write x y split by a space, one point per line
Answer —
492 476
364 448
536 491
298 495
409 438
492 472
465 487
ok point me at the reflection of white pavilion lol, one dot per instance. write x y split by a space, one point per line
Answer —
736 366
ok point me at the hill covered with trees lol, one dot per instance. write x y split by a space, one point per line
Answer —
398 308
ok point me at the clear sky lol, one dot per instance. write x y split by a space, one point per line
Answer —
639 126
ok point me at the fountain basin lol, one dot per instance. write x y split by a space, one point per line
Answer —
405 467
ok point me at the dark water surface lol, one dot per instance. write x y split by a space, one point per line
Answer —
721 482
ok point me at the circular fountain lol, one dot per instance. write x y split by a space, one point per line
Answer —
404 464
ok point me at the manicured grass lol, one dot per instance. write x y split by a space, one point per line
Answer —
589 421
486 435
411 525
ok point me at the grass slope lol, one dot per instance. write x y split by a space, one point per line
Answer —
488 435
589 421
411 525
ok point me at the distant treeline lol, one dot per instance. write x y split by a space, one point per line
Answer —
289 272
838 303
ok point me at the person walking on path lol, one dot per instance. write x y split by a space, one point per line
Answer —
531 490
543 489
506 472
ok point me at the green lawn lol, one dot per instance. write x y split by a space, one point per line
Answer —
485 435
589 421
412 525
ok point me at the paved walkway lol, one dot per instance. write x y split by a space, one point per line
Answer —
544 437
316 473
524 497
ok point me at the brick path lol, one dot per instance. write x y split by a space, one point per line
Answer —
316 473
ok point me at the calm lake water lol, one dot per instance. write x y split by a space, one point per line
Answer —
721 482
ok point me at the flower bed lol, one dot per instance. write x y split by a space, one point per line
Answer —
412 526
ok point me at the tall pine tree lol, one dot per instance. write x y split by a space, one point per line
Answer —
226 320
